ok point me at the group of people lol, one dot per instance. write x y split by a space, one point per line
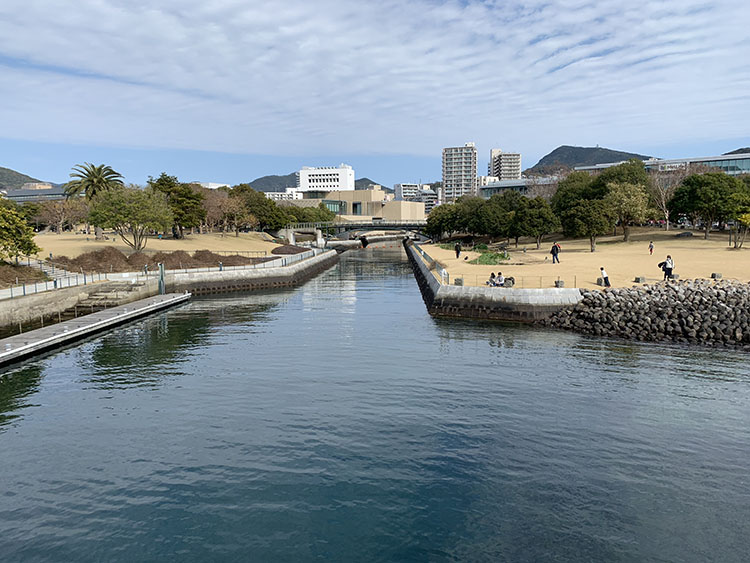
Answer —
496 280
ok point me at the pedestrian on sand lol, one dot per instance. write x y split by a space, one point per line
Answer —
668 267
651 247
554 252
605 277
458 249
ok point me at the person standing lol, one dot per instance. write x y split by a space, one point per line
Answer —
605 277
457 248
668 267
651 247
554 252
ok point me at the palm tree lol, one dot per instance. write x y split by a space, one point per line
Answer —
90 179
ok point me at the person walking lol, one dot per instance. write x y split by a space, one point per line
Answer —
668 267
457 248
605 277
651 247
554 252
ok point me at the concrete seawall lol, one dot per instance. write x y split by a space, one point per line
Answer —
507 304
31 308
252 279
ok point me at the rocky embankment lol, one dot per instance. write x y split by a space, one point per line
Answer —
691 311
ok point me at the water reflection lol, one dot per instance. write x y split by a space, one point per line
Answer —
16 385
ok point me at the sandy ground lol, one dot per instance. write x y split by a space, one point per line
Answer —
694 258
72 245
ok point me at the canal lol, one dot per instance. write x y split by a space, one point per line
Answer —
338 422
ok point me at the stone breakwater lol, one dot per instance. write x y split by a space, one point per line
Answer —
691 311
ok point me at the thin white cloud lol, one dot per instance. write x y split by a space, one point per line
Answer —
329 76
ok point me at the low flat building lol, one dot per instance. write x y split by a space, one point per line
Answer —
732 164
38 193
522 186
356 205
212 185
288 194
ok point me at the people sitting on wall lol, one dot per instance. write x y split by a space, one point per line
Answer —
491 281
499 280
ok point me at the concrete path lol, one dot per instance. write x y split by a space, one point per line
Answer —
23 346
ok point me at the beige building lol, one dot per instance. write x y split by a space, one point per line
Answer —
358 205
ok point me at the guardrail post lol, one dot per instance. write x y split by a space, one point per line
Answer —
24 288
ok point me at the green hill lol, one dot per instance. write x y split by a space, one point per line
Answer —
10 179
566 157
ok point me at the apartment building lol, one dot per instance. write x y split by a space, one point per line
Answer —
504 165
459 171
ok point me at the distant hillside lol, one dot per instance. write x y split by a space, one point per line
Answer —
364 183
280 183
567 157
274 183
10 179
743 150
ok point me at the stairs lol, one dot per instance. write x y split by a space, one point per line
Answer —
112 294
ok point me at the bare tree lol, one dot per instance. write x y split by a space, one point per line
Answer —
539 187
63 212
214 202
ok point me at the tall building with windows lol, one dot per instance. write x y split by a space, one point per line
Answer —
326 179
504 165
459 171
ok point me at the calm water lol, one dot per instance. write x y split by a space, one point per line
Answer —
338 421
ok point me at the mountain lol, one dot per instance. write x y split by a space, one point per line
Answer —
364 183
274 183
280 183
567 157
743 150
10 179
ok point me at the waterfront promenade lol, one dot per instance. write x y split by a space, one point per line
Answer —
579 267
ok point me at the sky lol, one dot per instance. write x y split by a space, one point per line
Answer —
230 90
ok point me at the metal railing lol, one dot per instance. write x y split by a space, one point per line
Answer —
441 274
30 288
281 261
520 282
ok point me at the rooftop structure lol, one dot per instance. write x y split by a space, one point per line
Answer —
459 171
38 193
732 164
286 195
324 179
212 185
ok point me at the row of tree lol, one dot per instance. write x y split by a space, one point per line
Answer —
97 195
590 206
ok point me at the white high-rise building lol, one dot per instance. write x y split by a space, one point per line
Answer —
326 179
504 165
459 171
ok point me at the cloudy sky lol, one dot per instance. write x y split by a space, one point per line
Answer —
228 90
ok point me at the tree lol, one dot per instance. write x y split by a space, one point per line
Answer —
185 202
470 215
268 214
575 187
443 219
503 214
662 187
631 172
214 202
707 196
16 237
628 203
537 219
589 218
237 216
132 213
90 180
62 213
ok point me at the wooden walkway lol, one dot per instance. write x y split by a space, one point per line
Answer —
23 346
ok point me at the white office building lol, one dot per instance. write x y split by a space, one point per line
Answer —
459 171
407 192
326 179
287 195
212 185
504 165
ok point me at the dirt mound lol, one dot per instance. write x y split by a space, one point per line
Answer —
289 249
23 274
209 258
107 259
176 260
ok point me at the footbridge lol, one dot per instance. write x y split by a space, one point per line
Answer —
339 228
